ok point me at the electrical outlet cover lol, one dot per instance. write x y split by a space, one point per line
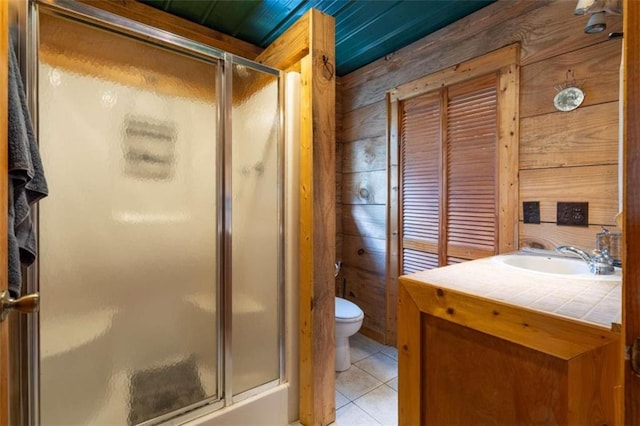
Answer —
572 214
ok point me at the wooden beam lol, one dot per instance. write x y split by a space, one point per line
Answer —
288 50
159 19
317 224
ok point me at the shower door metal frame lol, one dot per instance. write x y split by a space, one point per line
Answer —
229 61
181 45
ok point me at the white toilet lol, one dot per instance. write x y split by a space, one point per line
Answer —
348 321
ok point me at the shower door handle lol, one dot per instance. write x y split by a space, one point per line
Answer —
27 304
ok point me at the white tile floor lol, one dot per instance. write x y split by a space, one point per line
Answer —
367 393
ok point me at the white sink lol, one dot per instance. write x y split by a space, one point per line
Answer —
559 266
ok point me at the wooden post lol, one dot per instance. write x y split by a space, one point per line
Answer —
409 358
317 226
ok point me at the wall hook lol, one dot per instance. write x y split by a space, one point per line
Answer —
328 66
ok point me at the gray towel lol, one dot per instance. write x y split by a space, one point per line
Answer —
27 183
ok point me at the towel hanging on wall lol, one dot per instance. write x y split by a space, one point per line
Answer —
27 183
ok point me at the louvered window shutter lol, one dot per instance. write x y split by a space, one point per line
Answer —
448 175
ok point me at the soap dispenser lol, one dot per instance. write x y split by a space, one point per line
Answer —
611 242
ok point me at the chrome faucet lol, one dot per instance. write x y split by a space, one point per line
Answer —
599 264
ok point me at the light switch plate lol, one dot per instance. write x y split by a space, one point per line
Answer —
531 211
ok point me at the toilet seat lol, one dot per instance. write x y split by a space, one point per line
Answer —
347 311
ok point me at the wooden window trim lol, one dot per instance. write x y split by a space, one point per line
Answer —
506 63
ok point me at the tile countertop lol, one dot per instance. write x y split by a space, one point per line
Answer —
593 301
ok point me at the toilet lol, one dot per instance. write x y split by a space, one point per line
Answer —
348 321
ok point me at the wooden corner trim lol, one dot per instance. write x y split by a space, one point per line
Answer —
409 358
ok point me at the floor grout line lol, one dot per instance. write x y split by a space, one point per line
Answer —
382 383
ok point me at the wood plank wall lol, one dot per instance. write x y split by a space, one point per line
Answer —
563 156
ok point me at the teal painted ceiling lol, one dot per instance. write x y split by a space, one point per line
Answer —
365 29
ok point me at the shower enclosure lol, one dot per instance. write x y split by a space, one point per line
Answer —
160 269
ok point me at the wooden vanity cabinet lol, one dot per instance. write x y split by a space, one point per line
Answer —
467 360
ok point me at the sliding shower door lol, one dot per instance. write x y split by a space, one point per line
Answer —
255 179
129 236
161 259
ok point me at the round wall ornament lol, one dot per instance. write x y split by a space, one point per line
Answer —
568 99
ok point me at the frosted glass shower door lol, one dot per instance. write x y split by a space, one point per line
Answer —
128 270
255 229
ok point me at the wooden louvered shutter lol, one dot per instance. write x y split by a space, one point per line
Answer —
471 181
457 127
448 175
420 182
